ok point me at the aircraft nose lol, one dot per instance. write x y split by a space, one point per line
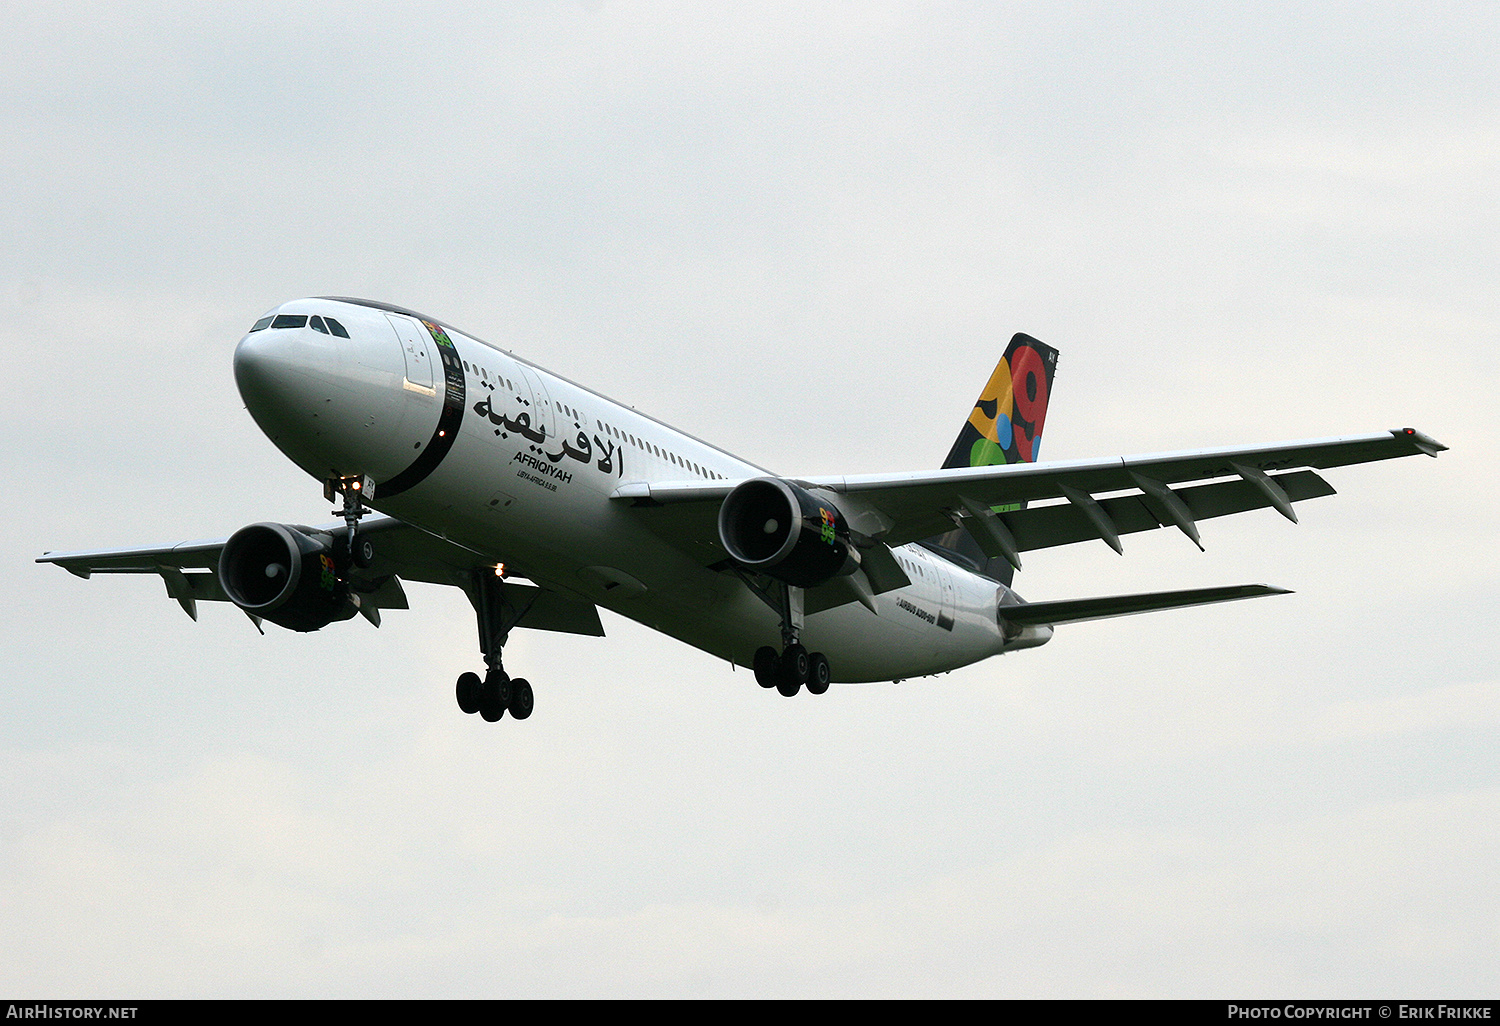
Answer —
258 363
332 403
283 376
302 388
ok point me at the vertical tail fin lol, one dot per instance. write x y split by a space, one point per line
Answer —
1005 426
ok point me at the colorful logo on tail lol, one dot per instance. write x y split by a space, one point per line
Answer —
1005 425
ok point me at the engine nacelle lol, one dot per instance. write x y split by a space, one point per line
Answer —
775 528
280 574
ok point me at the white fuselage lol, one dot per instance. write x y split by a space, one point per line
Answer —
521 467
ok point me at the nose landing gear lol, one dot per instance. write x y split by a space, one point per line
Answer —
355 489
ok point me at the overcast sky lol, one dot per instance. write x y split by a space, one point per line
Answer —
805 232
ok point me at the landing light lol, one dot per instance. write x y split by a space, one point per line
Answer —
348 483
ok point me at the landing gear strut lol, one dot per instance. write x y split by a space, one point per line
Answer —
794 666
497 693
355 489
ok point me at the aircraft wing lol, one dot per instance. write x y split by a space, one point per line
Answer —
1158 490
190 572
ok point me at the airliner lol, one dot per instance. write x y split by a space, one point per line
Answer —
456 462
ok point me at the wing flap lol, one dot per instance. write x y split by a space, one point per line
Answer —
544 610
1040 527
199 585
686 517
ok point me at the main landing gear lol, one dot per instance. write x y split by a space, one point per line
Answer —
794 666
497 693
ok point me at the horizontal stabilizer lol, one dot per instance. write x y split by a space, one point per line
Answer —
1075 610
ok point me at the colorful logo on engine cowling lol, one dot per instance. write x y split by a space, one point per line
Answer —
329 578
829 526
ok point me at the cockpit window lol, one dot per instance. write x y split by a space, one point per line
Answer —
335 327
289 321
262 324
317 325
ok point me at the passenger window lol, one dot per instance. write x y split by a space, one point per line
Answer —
317 325
336 328
290 321
262 324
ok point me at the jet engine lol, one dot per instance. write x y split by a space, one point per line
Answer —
775 528
283 575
